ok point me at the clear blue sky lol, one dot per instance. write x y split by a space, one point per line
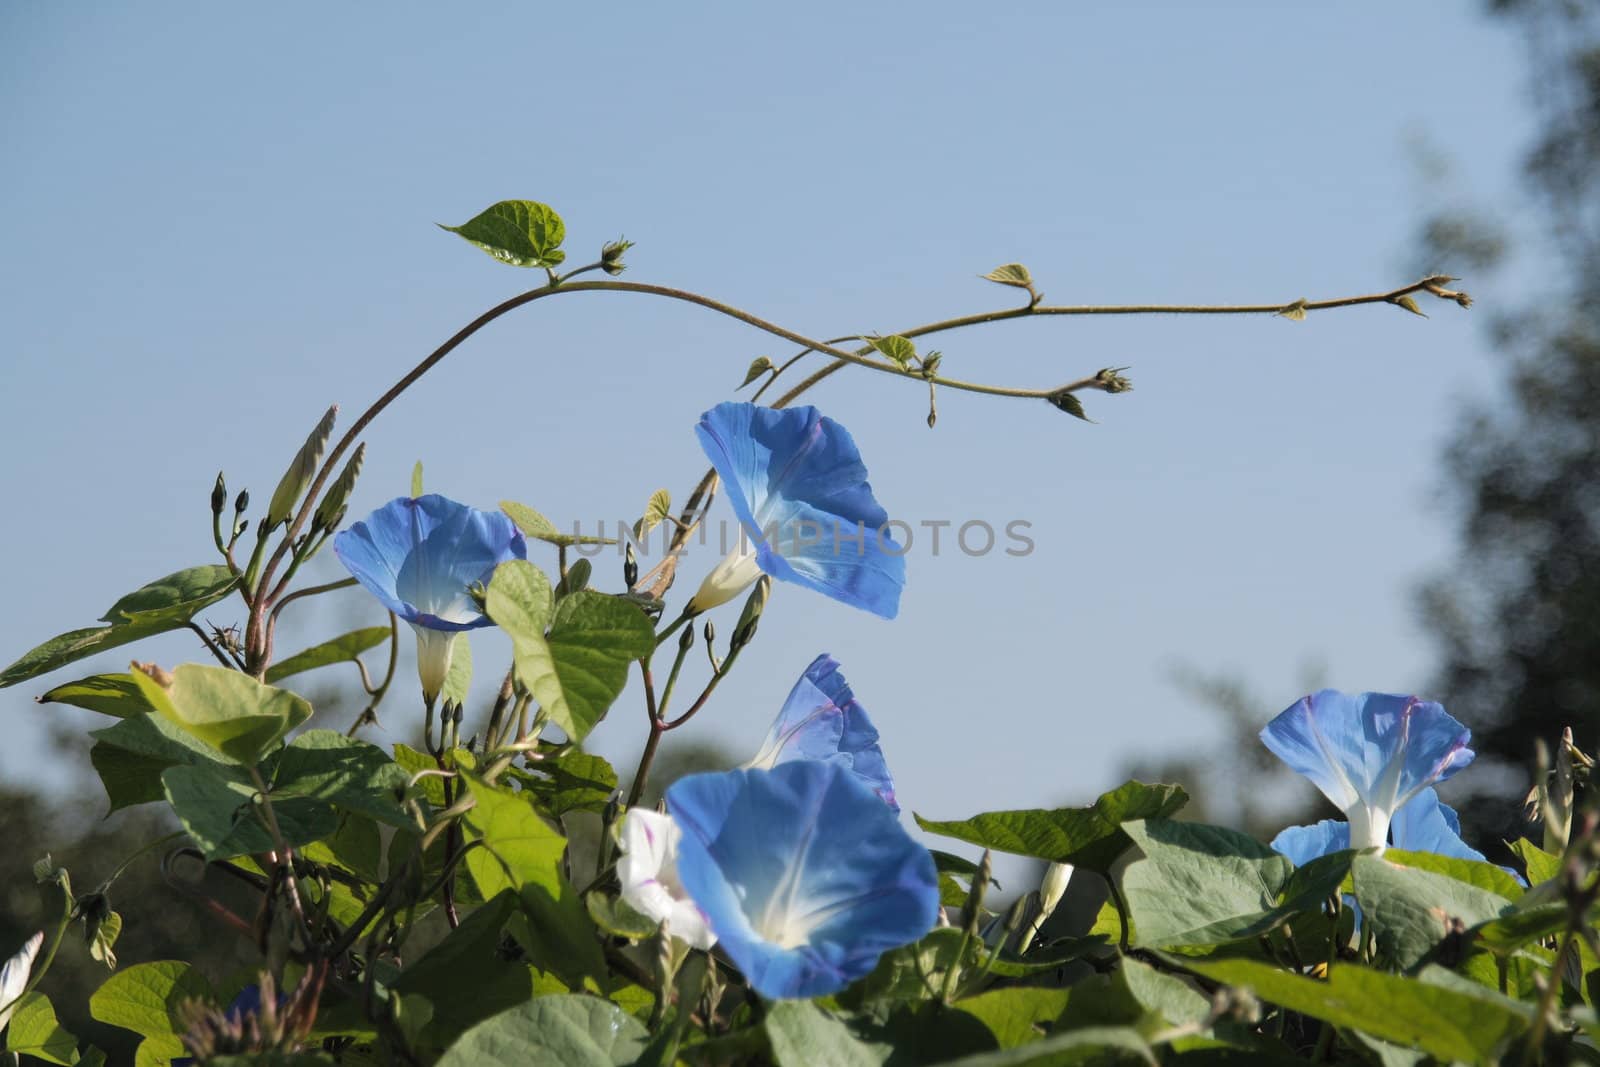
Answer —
218 219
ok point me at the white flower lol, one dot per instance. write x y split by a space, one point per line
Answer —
1051 890
14 976
648 871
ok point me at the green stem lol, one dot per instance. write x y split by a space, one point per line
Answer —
674 627
641 774
705 694
672 677
311 590
1547 1002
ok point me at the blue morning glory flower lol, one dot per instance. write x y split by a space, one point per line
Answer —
799 488
822 720
1423 824
418 555
805 875
1369 753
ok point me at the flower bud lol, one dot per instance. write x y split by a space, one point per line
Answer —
241 502
301 470
973 908
751 616
686 640
219 496
611 256
1053 887
332 505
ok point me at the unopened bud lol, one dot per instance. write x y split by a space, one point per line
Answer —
754 605
686 640
301 470
1016 912
1111 380
330 509
710 633
611 256
630 566
1053 887
219 496
973 908
576 578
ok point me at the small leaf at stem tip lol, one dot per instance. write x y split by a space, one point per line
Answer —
1012 274
930 364
758 366
899 350
1295 312
1065 401
1409 304
416 480
523 233
656 511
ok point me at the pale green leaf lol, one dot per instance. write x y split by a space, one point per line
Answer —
802 1034
165 604
458 680
567 1029
1085 837
117 695
342 649
1012 274
523 233
898 350
1469 1025
358 777
35 1032
227 709
144 998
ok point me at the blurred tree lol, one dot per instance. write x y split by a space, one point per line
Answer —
1518 615
1237 782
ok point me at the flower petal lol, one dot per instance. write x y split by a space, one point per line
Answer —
1373 749
1302 844
796 481
1426 825
647 870
822 720
14 976
806 875
419 555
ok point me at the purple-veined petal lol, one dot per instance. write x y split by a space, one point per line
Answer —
797 484
419 556
648 872
805 874
14 976
823 720
1302 844
1423 824
1369 753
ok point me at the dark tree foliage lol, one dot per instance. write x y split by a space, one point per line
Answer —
1518 616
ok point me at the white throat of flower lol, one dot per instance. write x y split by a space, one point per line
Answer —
1369 816
434 651
737 572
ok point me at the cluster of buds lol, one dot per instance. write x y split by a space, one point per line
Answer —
259 1020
